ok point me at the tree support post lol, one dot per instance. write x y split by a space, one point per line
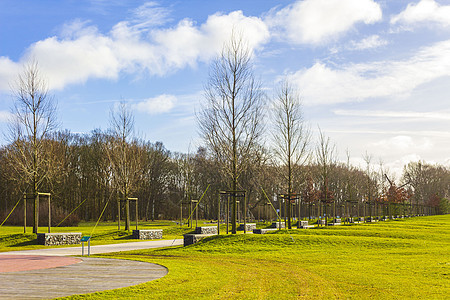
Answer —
118 215
299 211
245 213
218 215
24 213
127 214
36 213
49 214
235 194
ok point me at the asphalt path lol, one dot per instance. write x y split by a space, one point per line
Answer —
40 274
98 249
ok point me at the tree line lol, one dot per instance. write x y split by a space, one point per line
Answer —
277 165
163 179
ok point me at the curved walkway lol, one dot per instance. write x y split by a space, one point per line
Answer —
17 263
99 249
68 276
91 275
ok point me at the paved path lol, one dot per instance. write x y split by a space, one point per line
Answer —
16 263
79 277
99 249
91 275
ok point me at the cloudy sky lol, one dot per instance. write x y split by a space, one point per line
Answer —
374 75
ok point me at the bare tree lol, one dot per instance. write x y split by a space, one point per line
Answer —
34 117
368 159
122 154
291 136
326 159
427 181
230 120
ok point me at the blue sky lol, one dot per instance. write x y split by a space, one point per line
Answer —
374 75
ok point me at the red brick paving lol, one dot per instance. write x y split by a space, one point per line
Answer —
15 263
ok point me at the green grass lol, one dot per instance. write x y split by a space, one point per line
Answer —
402 259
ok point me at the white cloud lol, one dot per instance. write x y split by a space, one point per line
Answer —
447 162
218 27
426 11
322 84
318 21
370 42
396 166
425 133
5 116
439 115
403 144
82 52
8 72
74 61
157 105
373 41
151 14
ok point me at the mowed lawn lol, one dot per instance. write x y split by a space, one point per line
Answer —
401 259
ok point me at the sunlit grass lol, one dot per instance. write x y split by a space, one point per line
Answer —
404 259
399 259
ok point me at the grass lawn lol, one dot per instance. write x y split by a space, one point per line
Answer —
401 259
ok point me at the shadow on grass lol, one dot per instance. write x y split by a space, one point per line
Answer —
25 243
156 253
126 237
18 240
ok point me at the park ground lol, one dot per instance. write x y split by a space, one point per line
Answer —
397 259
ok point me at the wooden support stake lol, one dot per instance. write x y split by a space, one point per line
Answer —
218 216
24 213
118 213
137 215
49 214
245 213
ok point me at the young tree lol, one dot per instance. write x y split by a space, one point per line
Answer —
326 159
368 159
230 120
309 194
123 155
291 137
34 118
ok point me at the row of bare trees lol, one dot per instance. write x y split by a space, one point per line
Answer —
102 167
164 179
232 121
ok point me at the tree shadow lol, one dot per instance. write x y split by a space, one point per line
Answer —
126 237
26 243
